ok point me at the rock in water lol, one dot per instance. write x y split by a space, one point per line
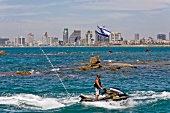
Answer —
2 53
23 73
93 63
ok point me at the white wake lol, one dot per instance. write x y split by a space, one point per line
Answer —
137 98
30 101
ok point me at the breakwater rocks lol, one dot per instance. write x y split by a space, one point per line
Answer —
22 73
18 73
2 53
94 63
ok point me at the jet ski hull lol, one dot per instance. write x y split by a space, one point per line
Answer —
113 94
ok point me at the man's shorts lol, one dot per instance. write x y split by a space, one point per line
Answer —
97 91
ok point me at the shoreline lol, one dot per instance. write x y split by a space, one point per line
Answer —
85 46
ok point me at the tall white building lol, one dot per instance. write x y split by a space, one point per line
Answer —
55 41
65 36
115 38
75 37
88 39
45 39
137 40
101 39
19 41
30 39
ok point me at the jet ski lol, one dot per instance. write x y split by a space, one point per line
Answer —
113 94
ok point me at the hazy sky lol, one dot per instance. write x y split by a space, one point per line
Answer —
146 17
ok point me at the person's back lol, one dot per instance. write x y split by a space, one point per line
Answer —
97 86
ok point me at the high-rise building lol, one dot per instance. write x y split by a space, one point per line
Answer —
19 41
89 36
55 41
169 35
45 39
30 39
3 41
115 36
137 41
161 37
75 36
100 39
65 35
137 36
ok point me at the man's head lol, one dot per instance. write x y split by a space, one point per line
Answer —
98 75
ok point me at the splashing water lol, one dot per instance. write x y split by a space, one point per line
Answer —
31 101
138 98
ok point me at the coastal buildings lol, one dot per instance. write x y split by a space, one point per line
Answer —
75 37
45 38
65 36
19 41
4 41
137 36
161 37
49 40
116 38
100 39
30 39
53 41
137 40
88 39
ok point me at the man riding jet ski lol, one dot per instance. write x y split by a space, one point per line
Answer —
113 94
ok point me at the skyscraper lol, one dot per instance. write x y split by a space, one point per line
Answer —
137 41
115 36
100 39
75 36
65 35
89 36
137 36
3 41
19 41
161 36
45 38
30 39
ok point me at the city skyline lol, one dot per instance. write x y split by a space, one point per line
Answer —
148 18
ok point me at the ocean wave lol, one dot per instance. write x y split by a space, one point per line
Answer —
30 101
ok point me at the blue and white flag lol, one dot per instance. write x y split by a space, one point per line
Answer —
103 32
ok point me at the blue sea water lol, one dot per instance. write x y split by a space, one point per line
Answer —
148 85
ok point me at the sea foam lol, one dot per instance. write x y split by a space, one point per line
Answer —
30 101
136 98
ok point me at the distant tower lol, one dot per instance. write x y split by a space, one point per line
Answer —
89 36
45 38
75 36
169 35
100 39
115 36
161 36
137 36
19 41
30 39
65 35
137 41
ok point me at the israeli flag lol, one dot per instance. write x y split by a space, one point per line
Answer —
103 32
